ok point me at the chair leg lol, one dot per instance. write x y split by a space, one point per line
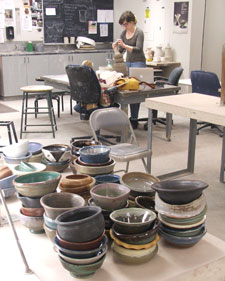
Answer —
36 107
71 106
144 163
127 167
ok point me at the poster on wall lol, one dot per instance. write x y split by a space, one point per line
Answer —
180 18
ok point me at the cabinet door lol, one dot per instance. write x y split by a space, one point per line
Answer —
14 74
37 66
57 63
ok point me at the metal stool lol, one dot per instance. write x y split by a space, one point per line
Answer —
8 124
42 90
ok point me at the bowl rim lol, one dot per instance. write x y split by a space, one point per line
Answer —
101 185
82 150
57 177
57 145
28 155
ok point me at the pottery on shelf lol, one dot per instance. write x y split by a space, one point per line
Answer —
16 150
57 152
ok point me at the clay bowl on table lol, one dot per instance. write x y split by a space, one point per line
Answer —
178 192
76 145
32 212
78 189
55 166
133 220
22 170
16 150
110 196
95 154
145 202
110 178
35 224
7 182
49 232
75 181
84 246
35 148
17 160
56 203
37 184
57 152
138 238
139 183
29 202
81 225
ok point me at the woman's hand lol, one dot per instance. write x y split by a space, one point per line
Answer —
114 44
121 43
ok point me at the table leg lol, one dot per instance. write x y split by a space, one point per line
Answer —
149 143
222 157
191 145
168 126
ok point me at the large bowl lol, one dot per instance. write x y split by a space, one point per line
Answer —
16 150
132 220
58 203
110 196
95 154
29 202
57 152
81 225
78 144
17 160
139 183
37 184
179 192
35 224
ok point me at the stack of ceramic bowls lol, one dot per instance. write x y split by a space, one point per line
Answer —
17 152
181 207
135 235
80 240
94 160
36 150
78 184
6 181
55 204
76 145
140 184
110 197
56 157
31 188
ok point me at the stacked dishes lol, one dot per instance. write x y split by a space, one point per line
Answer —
6 181
94 160
36 150
80 240
135 235
110 197
17 152
181 207
78 184
55 204
56 157
76 145
31 188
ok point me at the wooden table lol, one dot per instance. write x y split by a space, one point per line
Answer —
166 67
196 107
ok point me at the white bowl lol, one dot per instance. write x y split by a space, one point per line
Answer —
16 150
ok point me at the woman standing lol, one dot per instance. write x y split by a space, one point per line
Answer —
131 40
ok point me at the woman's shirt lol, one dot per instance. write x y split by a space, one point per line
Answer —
136 41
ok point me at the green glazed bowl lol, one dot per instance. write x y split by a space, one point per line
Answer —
37 184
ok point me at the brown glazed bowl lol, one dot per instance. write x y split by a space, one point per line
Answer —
84 246
32 212
78 189
72 181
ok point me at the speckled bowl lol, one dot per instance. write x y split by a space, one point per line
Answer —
57 152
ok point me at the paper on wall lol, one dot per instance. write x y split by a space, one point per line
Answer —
104 16
103 30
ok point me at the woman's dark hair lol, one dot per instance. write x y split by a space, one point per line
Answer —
127 16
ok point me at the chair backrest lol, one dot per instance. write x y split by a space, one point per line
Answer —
175 75
113 120
204 82
84 84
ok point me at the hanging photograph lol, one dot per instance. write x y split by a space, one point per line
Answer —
180 19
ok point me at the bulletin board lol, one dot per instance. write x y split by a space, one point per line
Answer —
72 18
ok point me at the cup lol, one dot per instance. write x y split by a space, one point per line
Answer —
30 46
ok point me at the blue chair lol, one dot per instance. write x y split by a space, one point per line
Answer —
207 83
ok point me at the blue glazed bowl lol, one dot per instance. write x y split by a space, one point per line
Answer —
107 178
95 154
7 182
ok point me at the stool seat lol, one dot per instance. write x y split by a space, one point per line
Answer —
36 88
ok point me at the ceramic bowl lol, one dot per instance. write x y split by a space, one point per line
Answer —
138 238
37 184
35 224
8 192
79 189
21 170
32 212
179 192
85 246
36 158
29 202
57 152
51 233
82 270
139 183
5 172
55 166
75 181
183 232
131 256
35 148
17 160
133 220
95 154
76 145
110 178
50 222
110 196
106 213
93 164
83 253
7 182
57 203
145 202
93 170
81 225
16 150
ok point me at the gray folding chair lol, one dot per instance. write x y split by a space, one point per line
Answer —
115 121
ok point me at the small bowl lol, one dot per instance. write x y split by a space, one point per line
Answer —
17 160
183 232
55 166
57 203
78 144
32 212
16 150
132 220
29 202
110 178
38 167
75 180
35 224
110 196
177 192
50 222
78 189
57 152
7 182
95 154
145 202
35 148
